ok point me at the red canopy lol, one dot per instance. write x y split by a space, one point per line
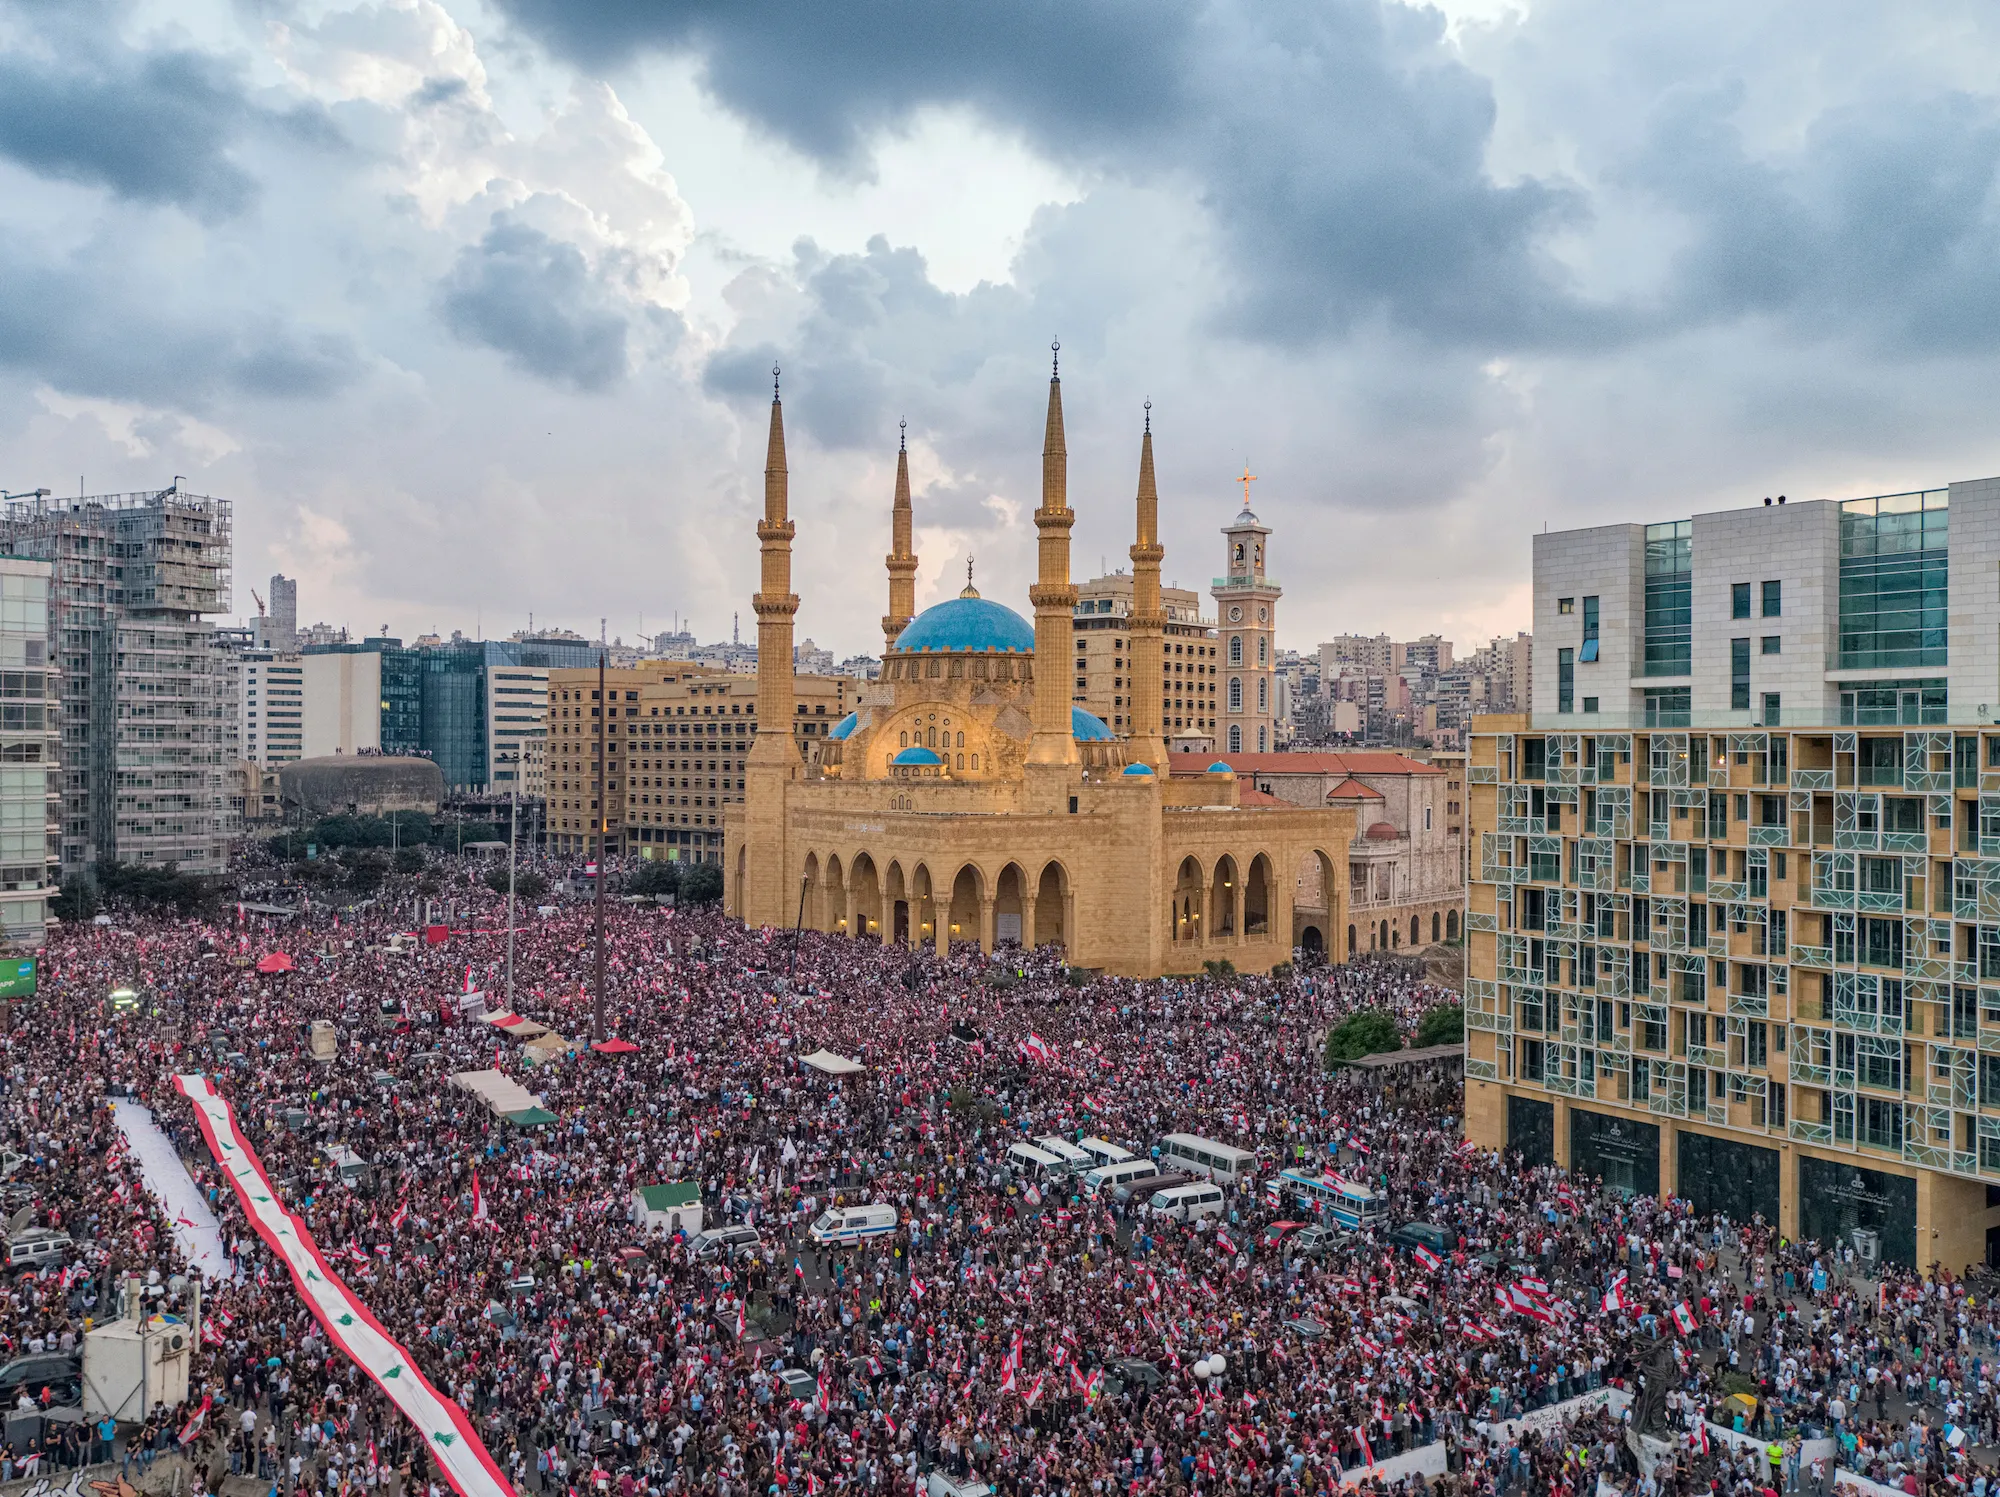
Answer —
615 1047
277 961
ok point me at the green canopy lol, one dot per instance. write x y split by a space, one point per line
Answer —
530 1117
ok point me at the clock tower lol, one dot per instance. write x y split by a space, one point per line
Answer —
1246 616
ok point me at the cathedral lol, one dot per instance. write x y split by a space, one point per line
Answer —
967 798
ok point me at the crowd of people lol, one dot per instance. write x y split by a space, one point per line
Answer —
1012 1330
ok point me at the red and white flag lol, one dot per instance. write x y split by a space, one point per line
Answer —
1684 1318
1430 1260
194 1425
478 1200
1615 1298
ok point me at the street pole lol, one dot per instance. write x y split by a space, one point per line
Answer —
513 832
603 708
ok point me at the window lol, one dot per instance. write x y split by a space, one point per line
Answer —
1774 600
1590 704
1235 738
1669 590
1235 693
1565 605
1589 655
1773 713
1739 600
1263 739
1427 818
1235 649
1894 590
1263 650
1739 670
1263 694
1770 644
1668 706
1565 680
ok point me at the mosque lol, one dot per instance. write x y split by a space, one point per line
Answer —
967 799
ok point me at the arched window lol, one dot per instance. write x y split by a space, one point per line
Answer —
961 739
1235 649
961 757
975 761
906 740
1263 650
1414 937
1239 552
1350 940
1434 926
1235 693
1263 739
1263 693
1235 738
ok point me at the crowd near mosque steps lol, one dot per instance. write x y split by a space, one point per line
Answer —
817 1214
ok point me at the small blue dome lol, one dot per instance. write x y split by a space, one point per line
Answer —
1219 767
1087 727
845 726
919 756
967 624
1139 769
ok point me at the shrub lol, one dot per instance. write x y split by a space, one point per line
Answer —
1282 971
1368 1031
1219 967
701 883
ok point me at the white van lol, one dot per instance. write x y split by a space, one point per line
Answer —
37 1248
1026 1162
1204 1156
1107 1175
1075 1160
1103 1151
843 1226
1186 1202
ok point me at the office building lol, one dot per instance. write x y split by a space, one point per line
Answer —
1105 663
279 625
517 713
271 713
1734 921
147 715
343 702
30 777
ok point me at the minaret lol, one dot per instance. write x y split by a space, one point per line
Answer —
1148 623
901 560
774 757
1053 596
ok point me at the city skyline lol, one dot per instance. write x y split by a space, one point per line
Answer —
469 308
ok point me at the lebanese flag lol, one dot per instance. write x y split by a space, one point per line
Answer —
1034 1392
210 1336
917 1289
1684 1318
478 1200
1700 1437
1430 1260
400 1215
194 1426
742 1319
1367 1454
1034 1047
1354 1142
1615 1297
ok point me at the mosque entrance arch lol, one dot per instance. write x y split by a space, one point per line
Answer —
1186 911
1051 907
1010 903
1313 944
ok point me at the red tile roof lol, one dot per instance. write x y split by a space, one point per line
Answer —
1367 762
1250 795
1351 789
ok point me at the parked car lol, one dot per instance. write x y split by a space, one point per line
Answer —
1277 1232
1413 1235
1134 1373
726 1242
61 1374
1309 1242
37 1248
1305 1328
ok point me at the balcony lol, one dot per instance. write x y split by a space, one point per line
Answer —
1242 584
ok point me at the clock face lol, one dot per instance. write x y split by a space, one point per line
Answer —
1235 615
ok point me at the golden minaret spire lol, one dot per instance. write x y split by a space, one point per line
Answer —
902 561
1147 743
775 603
1053 595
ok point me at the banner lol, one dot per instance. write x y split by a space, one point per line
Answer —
454 1447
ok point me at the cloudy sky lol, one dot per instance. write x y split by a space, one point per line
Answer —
469 305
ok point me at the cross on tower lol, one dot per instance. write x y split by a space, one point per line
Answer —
1247 479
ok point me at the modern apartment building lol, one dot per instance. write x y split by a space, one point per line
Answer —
1734 918
30 779
272 726
147 712
1189 655
517 712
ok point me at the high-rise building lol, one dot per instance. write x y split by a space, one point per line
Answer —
1246 605
283 631
147 714
1188 656
30 778
1734 918
272 720
517 713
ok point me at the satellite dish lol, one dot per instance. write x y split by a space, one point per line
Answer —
177 1285
20 1221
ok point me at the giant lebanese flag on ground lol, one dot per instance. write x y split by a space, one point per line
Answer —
454 1447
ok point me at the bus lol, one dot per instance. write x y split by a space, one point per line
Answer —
1223 1163
1334 1201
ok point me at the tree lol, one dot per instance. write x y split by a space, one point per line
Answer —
366 870
1368 1031
409 859
1443 1025
701 883
528 884
654 876
77 901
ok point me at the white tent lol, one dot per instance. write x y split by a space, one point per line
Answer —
497 1090
833 1065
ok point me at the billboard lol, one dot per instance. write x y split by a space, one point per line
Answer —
17 977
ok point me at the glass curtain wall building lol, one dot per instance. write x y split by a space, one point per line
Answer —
1745 948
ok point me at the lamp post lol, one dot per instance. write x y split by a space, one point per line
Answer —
603 708
513 833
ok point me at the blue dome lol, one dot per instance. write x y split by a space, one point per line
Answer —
1087 727
1220 767
844 727
964 624
1138 769
921 756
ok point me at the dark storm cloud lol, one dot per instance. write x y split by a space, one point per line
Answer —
88 326
536 301
1336 144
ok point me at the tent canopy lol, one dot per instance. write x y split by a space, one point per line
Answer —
833 1065
277 961
615 1047
531 1117
497 1090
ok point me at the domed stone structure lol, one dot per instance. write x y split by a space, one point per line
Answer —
969 798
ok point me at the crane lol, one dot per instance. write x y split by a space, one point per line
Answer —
260 603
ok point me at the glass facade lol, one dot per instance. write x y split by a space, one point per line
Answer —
1669 706
1894 589
1837 1199
1889 704
1624 1154
1722 1175
1669 598
1531 1130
